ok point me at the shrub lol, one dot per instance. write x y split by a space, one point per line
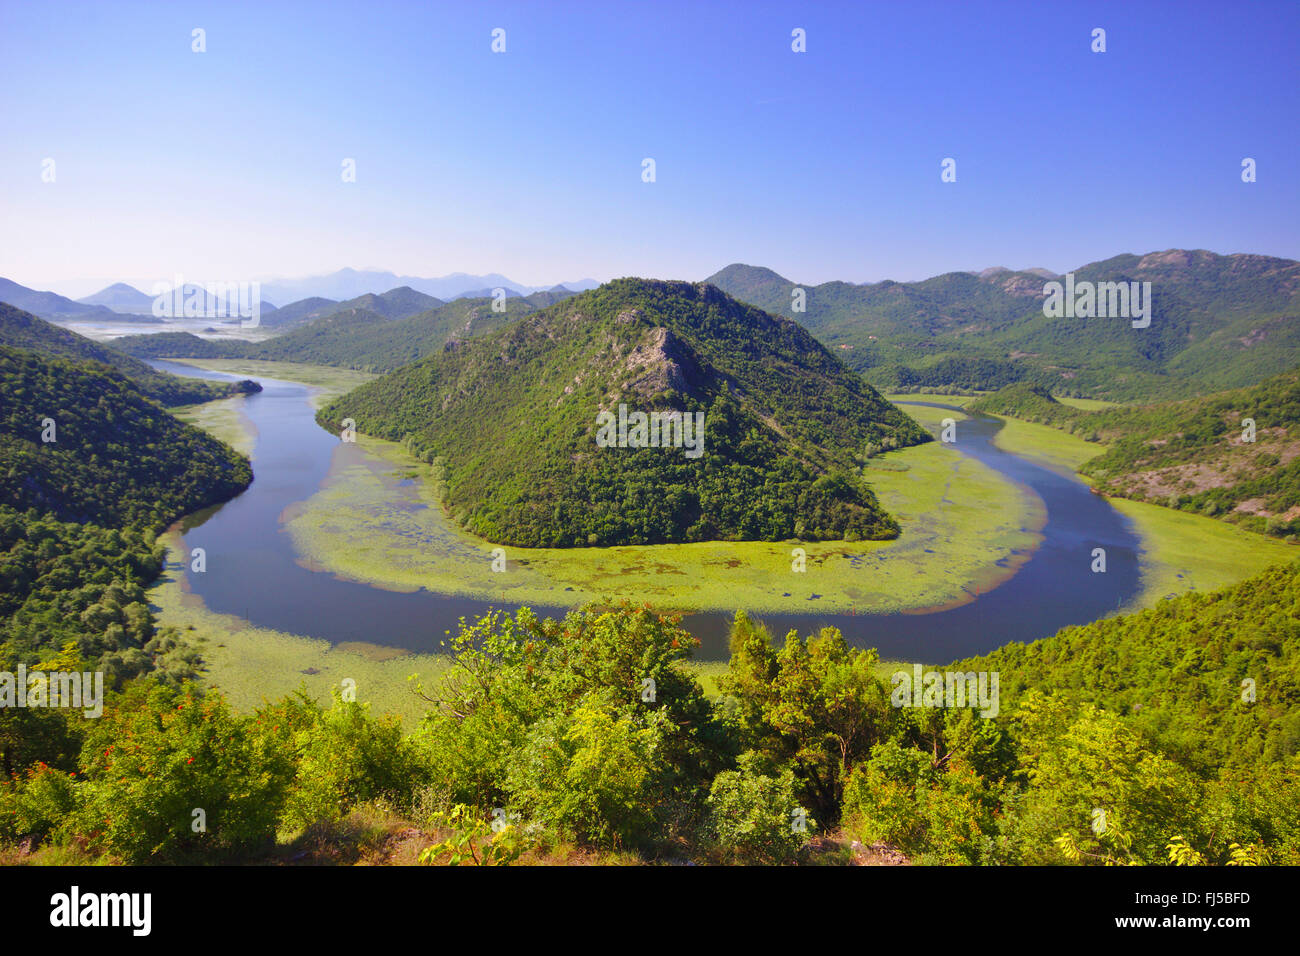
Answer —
591 773
755 816
347 758
160 754
38 804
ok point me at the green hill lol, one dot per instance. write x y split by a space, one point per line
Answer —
1190 454
512 418
357 338
396 303
162 345
117 458
295 313
1176 671
22 330
1218 322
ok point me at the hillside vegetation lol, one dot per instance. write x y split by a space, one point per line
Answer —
78 518
356 338
1191 454
1176 672
591 734
116 457
22 330
1218 322
510 418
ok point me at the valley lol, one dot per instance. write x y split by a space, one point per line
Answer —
657 436
368 568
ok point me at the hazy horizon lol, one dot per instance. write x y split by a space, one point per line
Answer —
82 287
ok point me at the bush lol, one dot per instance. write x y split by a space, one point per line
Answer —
755 817
935 816
591 773
346 759
38 805
160 754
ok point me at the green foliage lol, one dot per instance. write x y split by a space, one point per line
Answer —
588 725
1178 671
816 703
344 758
22 330
117 458
591 729
1097 783
936 815
589 772
510 419
755 815
37 804
158 755
473 840
72 598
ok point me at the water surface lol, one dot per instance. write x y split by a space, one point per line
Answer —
253 569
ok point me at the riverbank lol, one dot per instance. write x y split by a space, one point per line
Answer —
1180 551
376 520
379 521
371 520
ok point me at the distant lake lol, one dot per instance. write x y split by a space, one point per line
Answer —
260 580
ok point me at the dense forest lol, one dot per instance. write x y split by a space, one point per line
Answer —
1197 455
80 442
22 330
510 420
90 470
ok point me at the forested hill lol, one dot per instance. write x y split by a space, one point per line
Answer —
116 457
162 345
22 330
1192 455
1178 672
1219 321
512 417
355 338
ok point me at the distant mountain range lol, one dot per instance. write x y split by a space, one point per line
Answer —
351 283
383 293
1216 321
353 334
50 305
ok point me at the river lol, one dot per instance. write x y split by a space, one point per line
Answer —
253 569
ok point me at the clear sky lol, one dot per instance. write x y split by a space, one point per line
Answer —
821 165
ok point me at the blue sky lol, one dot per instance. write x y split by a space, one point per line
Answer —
821 165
